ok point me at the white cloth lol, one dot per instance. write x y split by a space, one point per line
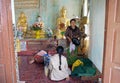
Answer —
55 73
72 47
42 53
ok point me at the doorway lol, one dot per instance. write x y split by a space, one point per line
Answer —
96 42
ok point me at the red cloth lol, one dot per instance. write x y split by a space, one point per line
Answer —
39 59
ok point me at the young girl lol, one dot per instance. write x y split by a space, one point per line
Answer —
58 66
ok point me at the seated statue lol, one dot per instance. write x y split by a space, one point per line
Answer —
22 23
62 23
41 33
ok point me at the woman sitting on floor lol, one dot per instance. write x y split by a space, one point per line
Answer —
58 66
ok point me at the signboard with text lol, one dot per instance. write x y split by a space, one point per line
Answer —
21 4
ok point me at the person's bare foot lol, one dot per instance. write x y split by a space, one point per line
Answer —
31 61
67 79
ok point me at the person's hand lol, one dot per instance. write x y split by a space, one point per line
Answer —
70 40
84 35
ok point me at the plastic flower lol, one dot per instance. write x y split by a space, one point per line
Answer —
37 26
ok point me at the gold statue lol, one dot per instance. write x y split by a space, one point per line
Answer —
22 23
62 23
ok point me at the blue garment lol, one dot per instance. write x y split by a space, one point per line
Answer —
46 59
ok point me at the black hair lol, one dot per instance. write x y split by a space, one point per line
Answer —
60 51
72 20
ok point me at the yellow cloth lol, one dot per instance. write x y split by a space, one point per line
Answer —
76 63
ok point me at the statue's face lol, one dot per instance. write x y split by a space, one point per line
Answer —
63 13
73 23
39 19
22 14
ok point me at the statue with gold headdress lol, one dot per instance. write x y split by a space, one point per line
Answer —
62 23
22 23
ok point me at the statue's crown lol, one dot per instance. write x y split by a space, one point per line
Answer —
63 9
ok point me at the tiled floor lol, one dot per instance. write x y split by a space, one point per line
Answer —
34 73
